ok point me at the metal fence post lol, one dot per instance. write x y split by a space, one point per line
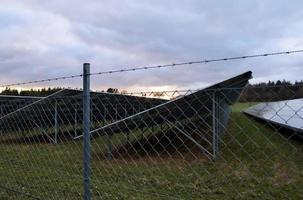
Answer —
86 130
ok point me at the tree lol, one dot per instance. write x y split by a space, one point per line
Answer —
9 91
112 90
278 83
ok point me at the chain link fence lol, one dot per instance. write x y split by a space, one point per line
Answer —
227 141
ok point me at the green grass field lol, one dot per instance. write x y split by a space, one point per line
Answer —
255 162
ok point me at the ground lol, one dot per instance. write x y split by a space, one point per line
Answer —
255 162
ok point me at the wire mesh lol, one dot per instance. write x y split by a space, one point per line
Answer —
181 145
199 149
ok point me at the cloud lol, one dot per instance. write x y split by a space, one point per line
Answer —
53 38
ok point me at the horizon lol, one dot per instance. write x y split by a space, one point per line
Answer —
45 39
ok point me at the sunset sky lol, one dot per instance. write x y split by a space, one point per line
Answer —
44 39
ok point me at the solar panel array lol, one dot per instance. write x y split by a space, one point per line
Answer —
9 103
62 113
203 114
125 129
287 114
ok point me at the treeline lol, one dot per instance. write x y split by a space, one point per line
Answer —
269 91
31 92
272 91
45 91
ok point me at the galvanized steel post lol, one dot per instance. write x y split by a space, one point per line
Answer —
86 130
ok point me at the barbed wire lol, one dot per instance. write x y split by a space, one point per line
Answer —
157 67
42 80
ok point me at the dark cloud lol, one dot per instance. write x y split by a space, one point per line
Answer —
53 38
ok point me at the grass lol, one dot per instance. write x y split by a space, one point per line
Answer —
255 162
239 107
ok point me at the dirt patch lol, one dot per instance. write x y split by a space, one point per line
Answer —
283 173
242 172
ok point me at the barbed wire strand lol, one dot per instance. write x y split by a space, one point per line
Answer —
158 66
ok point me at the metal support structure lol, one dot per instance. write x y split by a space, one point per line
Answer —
43 131
86 131
92 114
125 111
192 139
142 135
109 147
75 122
104 121
56 123
215 125
127 137
116 112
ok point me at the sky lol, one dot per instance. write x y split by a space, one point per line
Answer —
45 39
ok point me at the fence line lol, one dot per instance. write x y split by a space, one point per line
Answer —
214 143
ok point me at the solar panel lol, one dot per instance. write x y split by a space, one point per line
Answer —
208 108
230 91
61 112
287 114
10 103
59 116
